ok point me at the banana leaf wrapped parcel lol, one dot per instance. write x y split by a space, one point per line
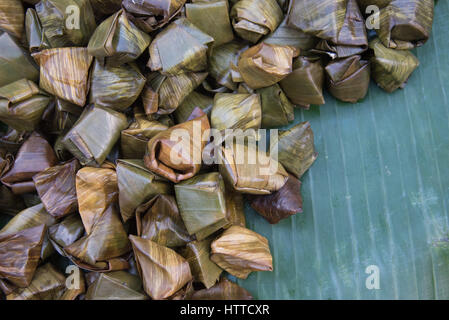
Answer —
277 110
57 190
296 149
12 17
348 79
35 35
240 251
162 270
264 64
161 149
203 269
66 23
22 104
117 41
202 204
64 73
339 23
34 156
259 174
252 19
15 62
180 47
89 144
116 285
192 101
223 290
136 185
159 220
391 68
211 17
406 24
115 87
66 232
281 204
308 72
150 15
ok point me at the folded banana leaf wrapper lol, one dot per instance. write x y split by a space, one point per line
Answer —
223 290
94 135
202 204
277 110
348 79
178 48
265 64
115 88
178 159
64 72
59 117
391 68
150 15
116 285
162 95
117 40
241 251
338 23
406 24
192 101
211 17
35 35
309 72
15 62
22 104
12 17
34 156
136 185
295 149
252 19
66 23
250 170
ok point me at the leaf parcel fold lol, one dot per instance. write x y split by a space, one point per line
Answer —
236 111
136 185
15 62
117 40
250 170
180 47
183 164
235 213
348 79
94 135
115 87
281 204
56 188
162 270
64 73
66 232
47 284
391 68
265 64
66 23
134 139
253 19
22 104
20 253
159 221
223 290
295 148
12 17
304 86
240 251
211 17
202 204
107 240
203 269
406 24
34 156
116 285
150 15
163 94
192 101
97 190
277 110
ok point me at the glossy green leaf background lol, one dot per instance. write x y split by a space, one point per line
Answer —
377 195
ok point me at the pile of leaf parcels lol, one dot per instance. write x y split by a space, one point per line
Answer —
90 94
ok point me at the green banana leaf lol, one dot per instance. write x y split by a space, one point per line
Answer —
376 195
